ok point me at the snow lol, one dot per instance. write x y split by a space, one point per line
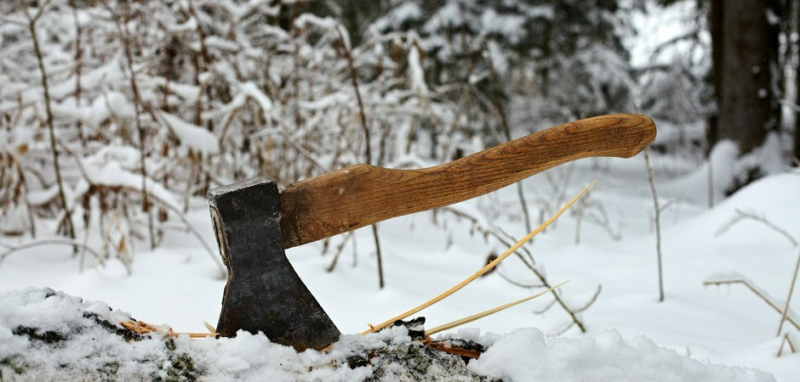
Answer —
416 73
52 335
605 357
192 137
395 18
87 351
111 104
509 26
251 90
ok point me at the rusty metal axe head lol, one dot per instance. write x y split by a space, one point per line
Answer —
263 292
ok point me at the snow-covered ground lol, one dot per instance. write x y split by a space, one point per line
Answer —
423 255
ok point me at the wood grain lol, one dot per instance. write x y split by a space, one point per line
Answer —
361 195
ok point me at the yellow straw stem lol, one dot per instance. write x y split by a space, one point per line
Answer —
200 335
210 328
485 269
466 320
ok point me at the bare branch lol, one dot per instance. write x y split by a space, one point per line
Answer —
789 298
741 215
74 243
591 300
786 340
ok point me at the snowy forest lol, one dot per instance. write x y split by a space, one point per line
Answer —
117 117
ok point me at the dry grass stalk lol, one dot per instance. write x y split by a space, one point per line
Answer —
474 317
484 269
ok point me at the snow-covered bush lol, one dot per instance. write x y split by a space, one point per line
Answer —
176 97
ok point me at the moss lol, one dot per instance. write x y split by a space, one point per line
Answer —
108 372
129 335
181 366
355 361
49 336
181 369
13 364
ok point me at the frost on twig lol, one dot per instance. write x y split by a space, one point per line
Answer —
758 292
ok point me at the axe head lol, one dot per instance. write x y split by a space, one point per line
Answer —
263 293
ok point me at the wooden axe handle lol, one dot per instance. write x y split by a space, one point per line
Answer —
361 195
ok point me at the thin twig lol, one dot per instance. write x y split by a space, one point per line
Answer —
710 183
561 331
339 250
125 35
498 98
37 50
74 243
78 67
657 219
516 283
545 308
367 149
196 233
789 298
758 293
591 300
786 340
741 215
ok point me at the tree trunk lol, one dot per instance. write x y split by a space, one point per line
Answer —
749 69
796 10
796 152
715 27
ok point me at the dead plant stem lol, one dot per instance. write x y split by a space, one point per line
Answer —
657 220
53 146
501 110
126 40
367 150
789 298
78 67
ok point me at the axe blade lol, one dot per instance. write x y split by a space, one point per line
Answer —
263 292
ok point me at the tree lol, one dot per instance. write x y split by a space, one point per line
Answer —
746 70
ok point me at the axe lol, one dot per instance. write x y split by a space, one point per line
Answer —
254 222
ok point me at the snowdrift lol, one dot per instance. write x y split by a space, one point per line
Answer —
48 335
